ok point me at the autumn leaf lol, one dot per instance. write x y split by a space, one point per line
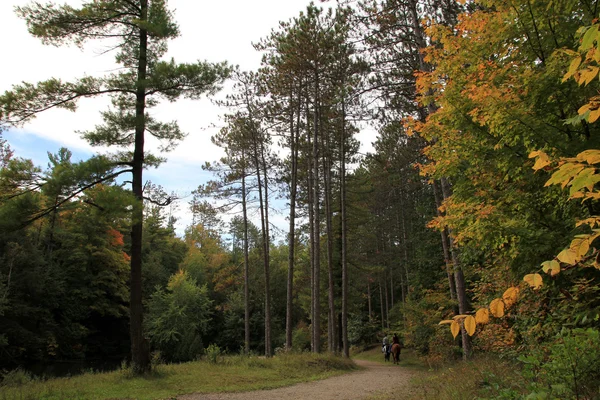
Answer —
459 317
482 316
551 267
589 156
470 325
564 174
497 308
542 159
572 68
568 256
510 296
455 328
445 322
534 280
580 246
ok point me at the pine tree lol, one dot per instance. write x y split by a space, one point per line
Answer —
141 29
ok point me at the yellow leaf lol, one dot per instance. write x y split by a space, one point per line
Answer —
589 156
580 246
540 163
445 322
568 256
588 75
470 325
482 316
584 108
551 267
455 328
572 68
564 174
534 280
535 153
510 296
497 308
592 221
460 316
594 115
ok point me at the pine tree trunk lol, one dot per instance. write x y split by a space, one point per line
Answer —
316 224
369 298
405 248
267 246
311 230
331 332
444 234
265 241
387 308
140 357
346 345
291 236
459 278
246 263
381 305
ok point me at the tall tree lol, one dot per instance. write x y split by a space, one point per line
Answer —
141 29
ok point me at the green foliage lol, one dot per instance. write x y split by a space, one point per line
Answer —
566 368
16 377
178 317
361 331
301 338
213 352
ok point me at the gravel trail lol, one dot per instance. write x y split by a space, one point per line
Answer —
374 380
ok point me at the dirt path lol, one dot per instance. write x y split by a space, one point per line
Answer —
373 380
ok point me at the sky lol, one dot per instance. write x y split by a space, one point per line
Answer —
214 31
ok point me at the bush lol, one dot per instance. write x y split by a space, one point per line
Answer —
301 338
212 353
178 317
16 377
569 367
361 331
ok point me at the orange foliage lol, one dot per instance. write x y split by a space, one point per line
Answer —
116 238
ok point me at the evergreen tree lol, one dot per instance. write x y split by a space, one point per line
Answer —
141 29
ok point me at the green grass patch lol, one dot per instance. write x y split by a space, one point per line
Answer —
230 374
408 358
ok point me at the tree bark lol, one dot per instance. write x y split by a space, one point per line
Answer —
311 230
381 305
140 357
459 278
246 262
291 236
444 234
331 331
317 220
346 345
267 246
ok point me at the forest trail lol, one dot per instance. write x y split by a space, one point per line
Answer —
374 380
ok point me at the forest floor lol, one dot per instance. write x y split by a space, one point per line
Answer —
373 381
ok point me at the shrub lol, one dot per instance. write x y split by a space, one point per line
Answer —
569 367
301 338
178 317
16 377
212 353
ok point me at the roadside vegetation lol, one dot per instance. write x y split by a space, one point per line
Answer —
222 374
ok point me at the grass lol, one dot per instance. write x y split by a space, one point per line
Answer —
231 374
485 376
408 358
